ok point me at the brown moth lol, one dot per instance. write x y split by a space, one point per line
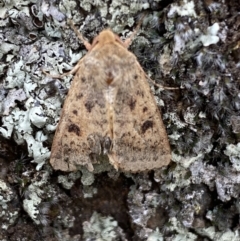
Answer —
110 110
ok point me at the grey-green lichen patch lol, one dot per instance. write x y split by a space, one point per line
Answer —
144 206
67 181
186 161
181 232
10 101
8 211
38 197
233 151
186 8
7 47
179 179
102 228
155 236
103 165
213 234
226 183
39 108
89 191
87 177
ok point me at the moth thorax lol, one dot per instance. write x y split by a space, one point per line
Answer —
106 36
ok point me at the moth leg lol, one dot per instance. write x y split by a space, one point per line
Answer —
90 168
113 160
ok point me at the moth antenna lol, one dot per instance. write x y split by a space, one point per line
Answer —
80 36
129 40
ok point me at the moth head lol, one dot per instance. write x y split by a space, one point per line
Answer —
105 37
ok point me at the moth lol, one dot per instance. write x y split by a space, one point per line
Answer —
110 110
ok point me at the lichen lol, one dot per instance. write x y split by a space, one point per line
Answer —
188 44
233 151
68 181
187 8
155 236
102 228
36 195
211 36
8 211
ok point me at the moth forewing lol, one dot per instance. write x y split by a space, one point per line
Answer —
110 109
